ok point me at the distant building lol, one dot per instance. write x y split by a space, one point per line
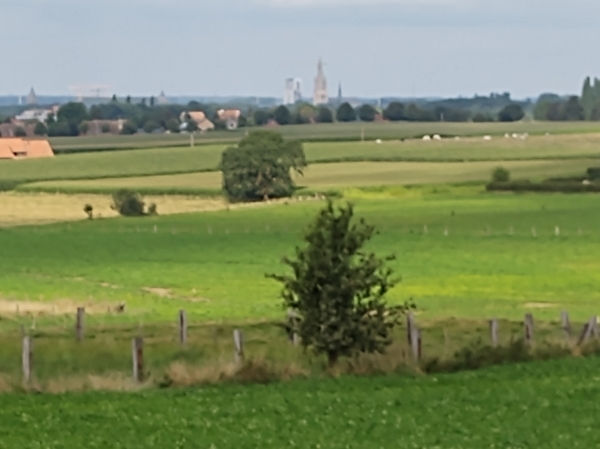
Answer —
162 99
39 115
293 91
204 124
231 117
320 95
32 99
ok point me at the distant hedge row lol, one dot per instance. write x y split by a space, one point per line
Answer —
549 186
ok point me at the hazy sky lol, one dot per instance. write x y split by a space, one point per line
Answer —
248 47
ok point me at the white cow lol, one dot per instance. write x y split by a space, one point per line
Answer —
437 137
487 138
426 138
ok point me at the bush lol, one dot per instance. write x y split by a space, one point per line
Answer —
500 174
555 187
128 203
367 113
40 129
481 117
105 128
282 115
152 210
394 112
593 173
346 113
129 128
89 210
20 132
511 113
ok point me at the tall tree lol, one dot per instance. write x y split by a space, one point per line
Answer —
324 115
587 97
282 115
573 111
367 113
394 112
337 289
511 113
345 113
260 167
261 117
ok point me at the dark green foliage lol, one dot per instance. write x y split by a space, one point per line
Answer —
479 356
511 113
129 128
20 132
593 173
128 203
172 126
83 128
573 110
260 167
337 289
415 114
346 113
555 187
261 117
242 121
6 185
394 112
105 128
40 129
282 115
152 209
151 125
89 210
59 129
367 113
482 117
324 115
500 174
72 113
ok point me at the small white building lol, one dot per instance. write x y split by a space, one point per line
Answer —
293 91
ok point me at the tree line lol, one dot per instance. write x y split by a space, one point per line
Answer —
552 107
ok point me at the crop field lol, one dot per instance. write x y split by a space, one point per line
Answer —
331 176
159 161
345 131
213 264
538 405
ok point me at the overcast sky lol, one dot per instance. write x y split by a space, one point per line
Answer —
248 47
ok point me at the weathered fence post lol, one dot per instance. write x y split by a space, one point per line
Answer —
589 330
529 329
27 358
417 347
79 323
566 323
137 352
182 327
410 324
238 341
494 332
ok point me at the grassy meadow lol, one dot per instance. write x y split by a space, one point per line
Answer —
333 131
331 176
213 264
537 405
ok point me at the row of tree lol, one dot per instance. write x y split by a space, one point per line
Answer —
555 108
395 111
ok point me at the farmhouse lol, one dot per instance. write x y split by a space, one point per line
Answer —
204 124
24 149
231 117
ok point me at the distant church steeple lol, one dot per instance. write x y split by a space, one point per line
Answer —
31 98
340 96
320 93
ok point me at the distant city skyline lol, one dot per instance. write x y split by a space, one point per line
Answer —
377 48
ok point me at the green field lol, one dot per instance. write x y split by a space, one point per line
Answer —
331 176
539 405
206 158
213 264
320 132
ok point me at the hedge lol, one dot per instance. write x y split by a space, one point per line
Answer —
557 187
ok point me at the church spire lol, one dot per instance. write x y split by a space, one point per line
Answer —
320 93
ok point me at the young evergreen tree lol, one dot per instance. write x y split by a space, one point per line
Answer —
587 97
337 289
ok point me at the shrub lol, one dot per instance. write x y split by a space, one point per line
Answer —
89 210
152 210
128 203
105 128
593 173
481 117
511 113
20 132
555 187
40 129
129 128
500 174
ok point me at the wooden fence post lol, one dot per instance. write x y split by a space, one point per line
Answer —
137 352
79 323
566 323
27 358
182 327
238 341
529 329
417 348
494 332
410 324
589 330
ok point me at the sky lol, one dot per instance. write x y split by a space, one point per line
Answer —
404 48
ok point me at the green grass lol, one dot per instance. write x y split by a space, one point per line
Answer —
330 176
214 263
538 405
324 132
